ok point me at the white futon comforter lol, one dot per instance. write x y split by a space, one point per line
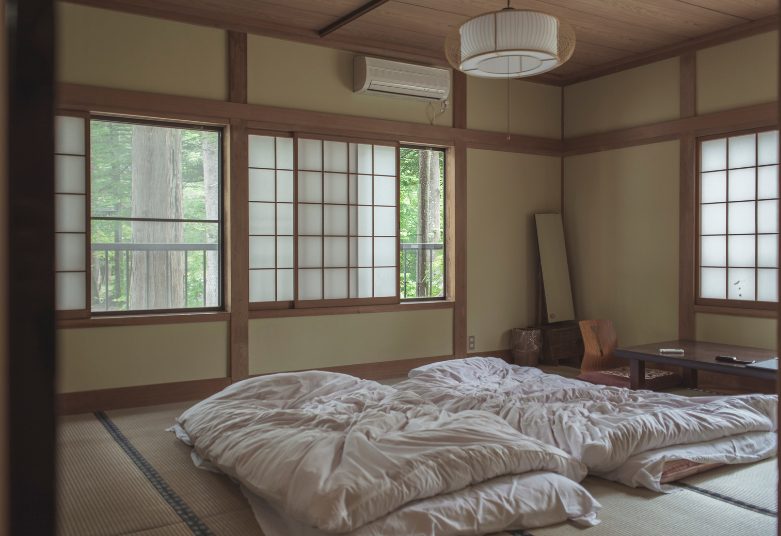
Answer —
619 434
337 453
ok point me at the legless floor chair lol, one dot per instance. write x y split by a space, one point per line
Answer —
600 366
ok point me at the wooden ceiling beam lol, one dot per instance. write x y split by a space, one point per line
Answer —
360 12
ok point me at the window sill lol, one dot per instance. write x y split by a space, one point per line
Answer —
351 310
735 311
144 320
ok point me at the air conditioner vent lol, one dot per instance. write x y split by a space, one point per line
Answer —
400 80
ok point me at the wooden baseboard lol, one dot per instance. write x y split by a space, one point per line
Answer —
168 393
139 396
382 370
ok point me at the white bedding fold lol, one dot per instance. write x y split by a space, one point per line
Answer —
336 452
602 426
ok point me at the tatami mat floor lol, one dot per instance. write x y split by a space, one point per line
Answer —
122 474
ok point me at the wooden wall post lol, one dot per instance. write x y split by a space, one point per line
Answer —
237 216
460 246
29 279
459 99
457 217
687 202
238 224
778 321
237 67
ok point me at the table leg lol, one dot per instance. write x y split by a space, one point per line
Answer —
690 378
636 374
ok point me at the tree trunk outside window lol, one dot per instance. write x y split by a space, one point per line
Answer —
211 175
429 221
157 281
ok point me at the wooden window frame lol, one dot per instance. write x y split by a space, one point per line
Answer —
446 236
87 317
726 306
328 306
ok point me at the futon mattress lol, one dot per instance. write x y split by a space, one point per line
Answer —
336 453
605 427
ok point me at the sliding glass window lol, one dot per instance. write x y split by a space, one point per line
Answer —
323 221
155 217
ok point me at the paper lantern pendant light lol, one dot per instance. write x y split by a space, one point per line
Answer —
511 43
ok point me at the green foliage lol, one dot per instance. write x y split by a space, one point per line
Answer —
111 190
408 231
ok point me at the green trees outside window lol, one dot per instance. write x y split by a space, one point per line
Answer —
422 232
155 208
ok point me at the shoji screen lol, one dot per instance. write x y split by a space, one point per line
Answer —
71 186
739 195
271 223
347 222
324 218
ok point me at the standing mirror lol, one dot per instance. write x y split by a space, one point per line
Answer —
555 269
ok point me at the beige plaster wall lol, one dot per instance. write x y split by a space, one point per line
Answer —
504 191
305 77
621 229
110 49
641 96
737 74
535 109
738 330
285 344
108 357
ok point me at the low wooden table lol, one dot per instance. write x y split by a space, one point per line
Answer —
696 356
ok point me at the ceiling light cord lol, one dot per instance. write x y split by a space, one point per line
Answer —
508 96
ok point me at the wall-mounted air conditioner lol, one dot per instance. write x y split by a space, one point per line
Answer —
400 80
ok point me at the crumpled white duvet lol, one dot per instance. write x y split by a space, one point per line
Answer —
335 452
605 427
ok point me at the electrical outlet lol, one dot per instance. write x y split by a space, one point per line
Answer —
471 342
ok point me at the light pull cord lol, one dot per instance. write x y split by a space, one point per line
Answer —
508 92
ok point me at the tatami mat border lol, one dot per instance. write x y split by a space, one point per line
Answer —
195 524
727 499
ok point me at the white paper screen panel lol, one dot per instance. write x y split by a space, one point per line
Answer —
271 218
347 220
70 212
739 211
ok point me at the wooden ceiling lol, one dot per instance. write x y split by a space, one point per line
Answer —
610 33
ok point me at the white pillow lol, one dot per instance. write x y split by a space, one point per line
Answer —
511 502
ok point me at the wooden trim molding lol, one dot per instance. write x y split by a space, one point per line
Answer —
351 310
225 21
136 103
689 46
143 320
760 115
382 370
138 396
735 311
236 23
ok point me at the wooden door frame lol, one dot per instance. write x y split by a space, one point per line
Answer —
31 327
